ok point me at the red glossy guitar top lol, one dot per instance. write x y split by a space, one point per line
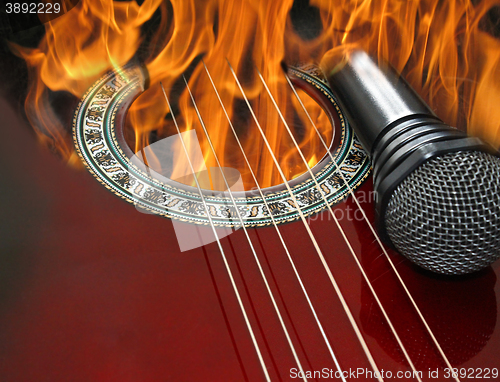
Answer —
92 290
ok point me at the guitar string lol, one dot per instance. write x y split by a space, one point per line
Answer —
372 229
344 236
233 201
292 263
313 239
228 269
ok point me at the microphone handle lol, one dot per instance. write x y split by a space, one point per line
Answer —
374 97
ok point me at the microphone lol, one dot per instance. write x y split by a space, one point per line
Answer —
438 190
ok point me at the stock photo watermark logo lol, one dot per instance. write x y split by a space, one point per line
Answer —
166 161
346 212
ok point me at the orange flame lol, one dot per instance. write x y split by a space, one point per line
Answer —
449 51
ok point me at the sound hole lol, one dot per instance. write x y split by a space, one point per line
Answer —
99 134
154 137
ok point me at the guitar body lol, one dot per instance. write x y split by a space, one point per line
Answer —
92 290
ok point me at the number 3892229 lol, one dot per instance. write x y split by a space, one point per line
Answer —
32 7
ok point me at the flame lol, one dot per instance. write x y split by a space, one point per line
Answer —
449 52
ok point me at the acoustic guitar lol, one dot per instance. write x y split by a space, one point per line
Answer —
95 290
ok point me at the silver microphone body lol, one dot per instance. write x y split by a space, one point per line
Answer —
438 190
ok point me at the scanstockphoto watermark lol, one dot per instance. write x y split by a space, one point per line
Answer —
364 374
347 212
358 373
179 158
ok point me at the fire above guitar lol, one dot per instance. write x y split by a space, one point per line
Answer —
251 240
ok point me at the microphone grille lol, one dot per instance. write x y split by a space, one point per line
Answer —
445 216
